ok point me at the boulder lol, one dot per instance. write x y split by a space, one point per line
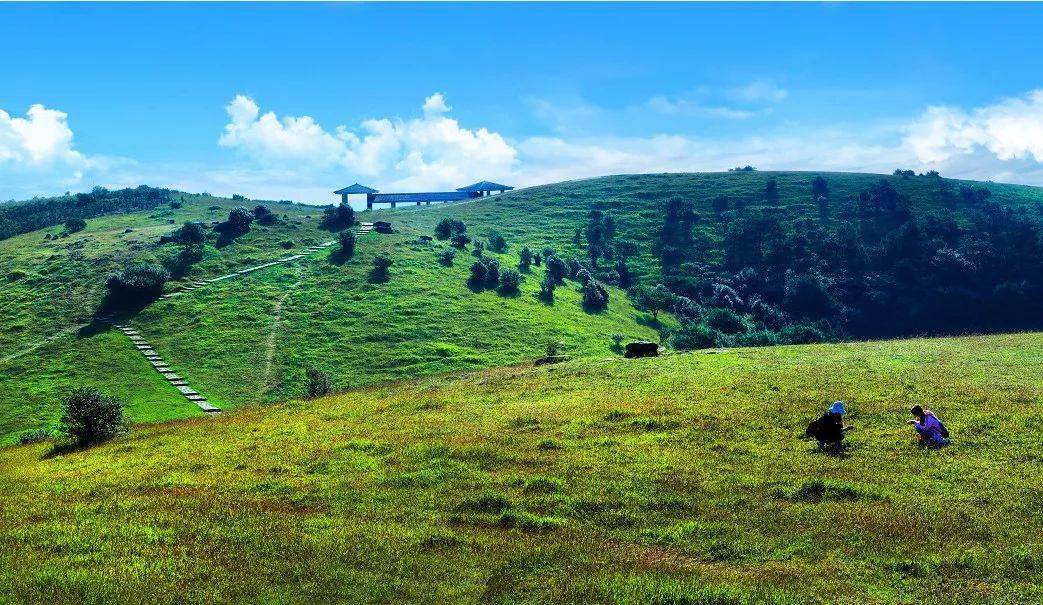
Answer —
383 227
641 348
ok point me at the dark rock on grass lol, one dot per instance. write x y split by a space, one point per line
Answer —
383 227
641 348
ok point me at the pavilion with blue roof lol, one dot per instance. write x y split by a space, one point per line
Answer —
479 189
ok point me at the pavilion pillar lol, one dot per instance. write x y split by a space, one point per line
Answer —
392 204
344 198
369 201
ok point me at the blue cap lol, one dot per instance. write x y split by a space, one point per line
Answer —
838 408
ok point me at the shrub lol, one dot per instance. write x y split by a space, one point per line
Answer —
724 320
381 264
556 268
496 242
694 336
525 259
176 204
319 383
286 244
492 278
136 285
89 417
460 240
479 273
264 215
595 296
190 233
75 224
445 257
553 348
801 334
238 223
336 218
537 259
547 288
444 228
509 281
479 247
347 239
34 436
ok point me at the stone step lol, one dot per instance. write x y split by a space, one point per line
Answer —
170 375
180 382
187 390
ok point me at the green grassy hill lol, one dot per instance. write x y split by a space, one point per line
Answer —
602 480
249 340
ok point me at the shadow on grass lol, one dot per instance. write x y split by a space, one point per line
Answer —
842 450
379 276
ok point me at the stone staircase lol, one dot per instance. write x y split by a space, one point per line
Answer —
362 229
166 371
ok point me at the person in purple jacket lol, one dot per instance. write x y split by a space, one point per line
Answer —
929 430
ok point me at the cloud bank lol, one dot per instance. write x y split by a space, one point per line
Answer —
295 157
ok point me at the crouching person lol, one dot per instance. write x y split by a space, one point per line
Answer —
828 429
929 430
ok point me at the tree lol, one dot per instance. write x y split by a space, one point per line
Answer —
347 239
444 228
771 191
319 382
445 257
496 242
238 223
479 248
626 277
509 281
90 417
653 300
547 287
336 218
190 233
460 240
595 295
263 215
557 269
524 259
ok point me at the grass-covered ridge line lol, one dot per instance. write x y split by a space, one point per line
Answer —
595 481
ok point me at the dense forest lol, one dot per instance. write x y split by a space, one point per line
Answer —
37 213
876 269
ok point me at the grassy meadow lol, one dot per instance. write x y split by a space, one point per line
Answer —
249 340
601 480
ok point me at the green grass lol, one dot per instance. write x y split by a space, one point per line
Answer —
249 340
600 480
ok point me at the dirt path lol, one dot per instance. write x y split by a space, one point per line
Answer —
273 334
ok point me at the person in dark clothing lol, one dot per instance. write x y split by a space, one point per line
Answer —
828 429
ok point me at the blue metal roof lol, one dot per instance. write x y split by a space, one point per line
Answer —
356 188
438 196
486 186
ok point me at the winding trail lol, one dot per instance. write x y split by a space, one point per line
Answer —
180 383
273 334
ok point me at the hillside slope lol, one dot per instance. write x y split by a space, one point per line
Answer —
671 480
250 340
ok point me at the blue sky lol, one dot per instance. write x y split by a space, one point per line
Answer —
294 100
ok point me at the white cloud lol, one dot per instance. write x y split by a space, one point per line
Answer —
432 151
1010 129
435 104
37 154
